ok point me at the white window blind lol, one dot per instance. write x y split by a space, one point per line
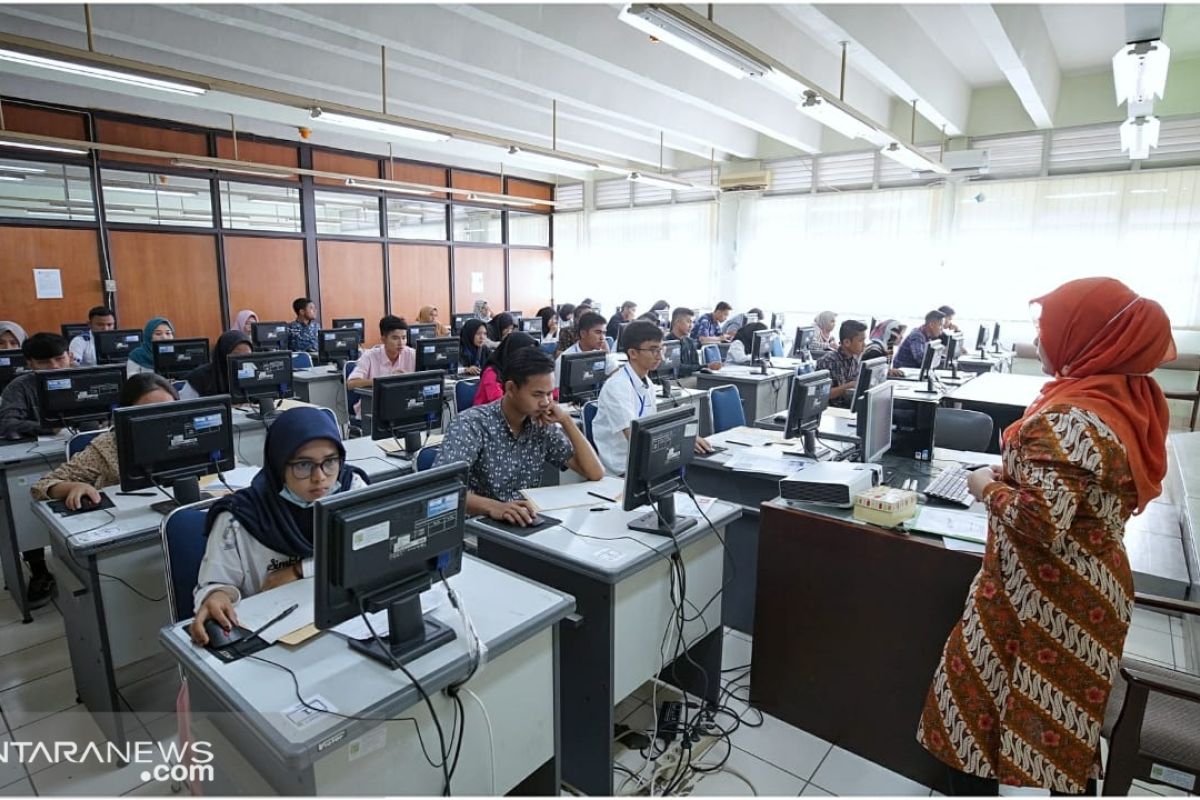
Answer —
701 177
790 176
569 197
1178 140
646 195
1096 147
612 194
846 171
1012 156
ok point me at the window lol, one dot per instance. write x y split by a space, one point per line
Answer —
37 190
259 207
150 198
345 214
413 219
569 197
476 224
528 229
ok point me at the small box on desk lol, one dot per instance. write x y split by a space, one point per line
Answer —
885 506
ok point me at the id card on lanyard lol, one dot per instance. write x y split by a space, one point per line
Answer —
640 397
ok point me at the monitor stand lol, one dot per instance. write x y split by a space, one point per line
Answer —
266 409
662 522
410 634
186 491
412 443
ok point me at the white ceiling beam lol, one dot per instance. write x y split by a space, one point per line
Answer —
1017 39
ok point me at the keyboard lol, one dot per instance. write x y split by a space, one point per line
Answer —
950 486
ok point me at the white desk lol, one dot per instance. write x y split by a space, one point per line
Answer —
242 707
22 464
322 387
762 395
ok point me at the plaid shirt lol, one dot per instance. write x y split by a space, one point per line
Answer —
842 368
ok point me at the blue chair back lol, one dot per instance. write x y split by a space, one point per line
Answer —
426 456
301 360
549 348
184 542
79 441
612 343
726 408
776 347
464 393
589 414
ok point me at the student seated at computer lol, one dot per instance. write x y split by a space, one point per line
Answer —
741 351
661 306
625 313
212 378
707 329
141 358
844 362
392 357
428 315
472 343
568 336
83 346
591 339
549 320
506 443
948 322
628 395
689 353
566 316
501 326
910 353
304 329
884 338
261 537
96 465
245 319
491 382
825 322
482 310
12 335
739 321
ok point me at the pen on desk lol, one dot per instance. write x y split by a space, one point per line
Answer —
278 617
743 444
602 497
137 494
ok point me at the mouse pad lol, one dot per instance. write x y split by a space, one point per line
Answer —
239 649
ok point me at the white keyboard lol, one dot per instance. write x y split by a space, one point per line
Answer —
951 486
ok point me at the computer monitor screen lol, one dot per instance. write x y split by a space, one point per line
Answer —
981 340
764 345
581 376
809 399
664 318
518 317
874 423
457 321
175 358
407 404
112 347
776 322
660 448
441 353
379 547
70 397
72 329
712 354
268 335
419 331
804 340
358 323
174 442
871 373
953 342
996 335
621 326
932 359
338 346
532 326
12 364
671 359
262 378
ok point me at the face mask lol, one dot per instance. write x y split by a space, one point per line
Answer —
287 494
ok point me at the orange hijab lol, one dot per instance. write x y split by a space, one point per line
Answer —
1103 340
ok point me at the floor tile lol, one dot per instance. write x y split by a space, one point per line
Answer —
73 725
783 746
13 771
38 699
22 788
745 636
735 652
33 663
768 780
152 697
1150 645
88 779
815 791
19 636
844 773
153 789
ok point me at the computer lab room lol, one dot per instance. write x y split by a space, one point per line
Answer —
599 399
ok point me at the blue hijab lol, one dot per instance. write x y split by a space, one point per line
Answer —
277 523
142 355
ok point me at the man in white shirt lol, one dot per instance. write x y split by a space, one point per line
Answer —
83 346
628 395
590 328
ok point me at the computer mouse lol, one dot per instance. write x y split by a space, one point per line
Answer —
705 370
87 502
533 523
218 638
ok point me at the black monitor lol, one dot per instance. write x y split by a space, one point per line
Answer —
621 326
458 320
871 373
581 376
664 318
763 344
804 339
421 330
338 346
261 378
174 442
776 321
954 348
72 329
532 326
668 369
441 353
68 398
874 423
358 323
810 398
12 364
269 335
517 318
408 404
996 337
175 358
378 548
932 360
981 340
660 448
113 347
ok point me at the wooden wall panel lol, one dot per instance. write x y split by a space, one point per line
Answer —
282 155
420 277
74 252
325 161
45 122
531 189
530 279
488 264
475 181
416 173
170 275
351 282
264 275
150 138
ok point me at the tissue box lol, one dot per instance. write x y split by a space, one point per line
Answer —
883 505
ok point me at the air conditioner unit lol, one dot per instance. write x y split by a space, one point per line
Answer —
966 162
746 182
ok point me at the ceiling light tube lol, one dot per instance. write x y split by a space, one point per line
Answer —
12 178
89 69
1138 135
913 159
384 187
377 126
785 83
150 190
839 119
14 168
661 181
690 33
555 158
49 148
1140 71
284 172
504 201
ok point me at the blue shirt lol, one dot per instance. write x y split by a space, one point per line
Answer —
912 351
303 337
706 326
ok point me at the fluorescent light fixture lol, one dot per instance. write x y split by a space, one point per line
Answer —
1138 135
377 126
785 83
913 159
504 201
1147 191
1079 195
49 148
90 69
151 190
1140 71
50 214
690 33
553 159
661 181
221 166
384 187
14 168
841 120
11 178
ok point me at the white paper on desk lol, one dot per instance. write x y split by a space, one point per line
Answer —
947 522
757 437
687 507
575 495
764 461
356 628
259 609
964 546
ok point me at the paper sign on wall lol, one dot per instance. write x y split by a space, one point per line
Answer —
476 282
48 283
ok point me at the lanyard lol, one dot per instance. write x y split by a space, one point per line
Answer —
640 397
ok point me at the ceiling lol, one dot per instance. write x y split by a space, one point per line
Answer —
495 69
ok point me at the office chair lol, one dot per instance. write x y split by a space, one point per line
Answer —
179 385
464 394
549 348
183 543
426 456
776 348
727 409
1189 362
77 443
961 429
612 344
301 360
354 421
590 408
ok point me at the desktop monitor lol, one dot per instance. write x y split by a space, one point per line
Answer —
751 318
581 376
996 337
954 348
261 378
981 339
175 358
871 373
268 335
12 364
421 330
660 447
72 329
518 317
174 442
377 548
763 347
808 401
874 423
804 339
712 354
338 346
668 369
532 326
932 360
664 318
358 323
112 347
408 404
621 326
68 398
776 322
458 320
441 353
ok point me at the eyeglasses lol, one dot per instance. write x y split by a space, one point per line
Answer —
654 351
303 469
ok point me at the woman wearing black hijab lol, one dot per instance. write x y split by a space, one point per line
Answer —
262 536
474 351
501 326
742 349
213 378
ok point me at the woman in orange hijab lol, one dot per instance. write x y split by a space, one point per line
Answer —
429 316
1020 693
